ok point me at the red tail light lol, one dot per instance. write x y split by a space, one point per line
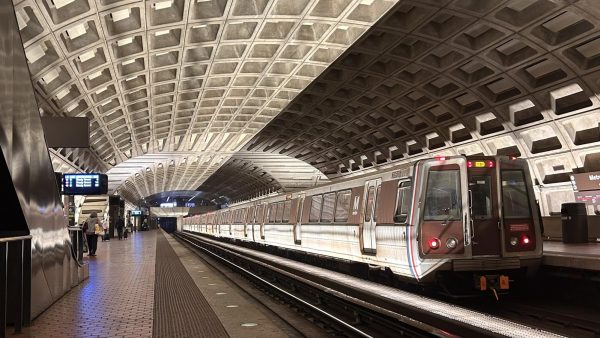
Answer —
434 243
525 240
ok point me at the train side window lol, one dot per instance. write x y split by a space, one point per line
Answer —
287 207
315 208
271 209
328 205
279 217
402 203
342 206
369 204
442 198
260 213
376 203
515 201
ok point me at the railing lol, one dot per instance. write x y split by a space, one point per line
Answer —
77 239
15 282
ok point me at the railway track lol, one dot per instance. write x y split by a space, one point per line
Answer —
350 309
338 316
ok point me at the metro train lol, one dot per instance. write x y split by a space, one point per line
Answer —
470 220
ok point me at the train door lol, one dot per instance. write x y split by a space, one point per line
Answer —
249 220
485 218
265 218
368 243
298 220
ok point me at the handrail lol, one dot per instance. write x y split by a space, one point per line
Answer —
15 287
14 239
76 244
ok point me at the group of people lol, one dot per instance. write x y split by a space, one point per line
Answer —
93 229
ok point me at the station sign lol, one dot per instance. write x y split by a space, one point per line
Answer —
586 181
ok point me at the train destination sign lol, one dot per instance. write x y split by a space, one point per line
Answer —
85 184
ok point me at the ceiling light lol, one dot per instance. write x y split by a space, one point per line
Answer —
35 53
163 4
163 32
120 15
94 75
131 78
76 31
22 19
62 93
128 62
200 26
125 41
99 91
71 107
87 56
50 76
366 2
61 3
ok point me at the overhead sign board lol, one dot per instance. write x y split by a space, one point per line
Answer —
85 184
136 213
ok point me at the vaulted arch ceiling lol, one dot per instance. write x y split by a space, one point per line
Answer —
181 76
518 77
247 175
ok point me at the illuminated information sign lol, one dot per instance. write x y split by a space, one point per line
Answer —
84 184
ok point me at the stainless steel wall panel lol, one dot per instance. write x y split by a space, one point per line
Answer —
26 154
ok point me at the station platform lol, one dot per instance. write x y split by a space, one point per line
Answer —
584 256
152 286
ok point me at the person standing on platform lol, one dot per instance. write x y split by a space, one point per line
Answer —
120 226
105 227
91 227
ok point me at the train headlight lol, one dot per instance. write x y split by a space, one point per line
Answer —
434 243
451 243
514 241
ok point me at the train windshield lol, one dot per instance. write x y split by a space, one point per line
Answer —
442 199
514 195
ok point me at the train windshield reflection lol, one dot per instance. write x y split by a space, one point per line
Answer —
442 200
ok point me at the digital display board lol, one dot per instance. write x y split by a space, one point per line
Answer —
136 213
85 184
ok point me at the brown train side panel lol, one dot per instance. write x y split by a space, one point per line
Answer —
306 209
352 218
294 211
387 202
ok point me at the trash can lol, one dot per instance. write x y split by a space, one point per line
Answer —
574 223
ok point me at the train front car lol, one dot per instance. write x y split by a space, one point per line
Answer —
477 223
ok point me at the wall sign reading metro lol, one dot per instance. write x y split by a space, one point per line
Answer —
586 181
85 184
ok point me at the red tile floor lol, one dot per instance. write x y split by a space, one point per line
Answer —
116 301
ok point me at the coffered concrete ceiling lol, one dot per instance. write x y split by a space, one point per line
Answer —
518 77
180 77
